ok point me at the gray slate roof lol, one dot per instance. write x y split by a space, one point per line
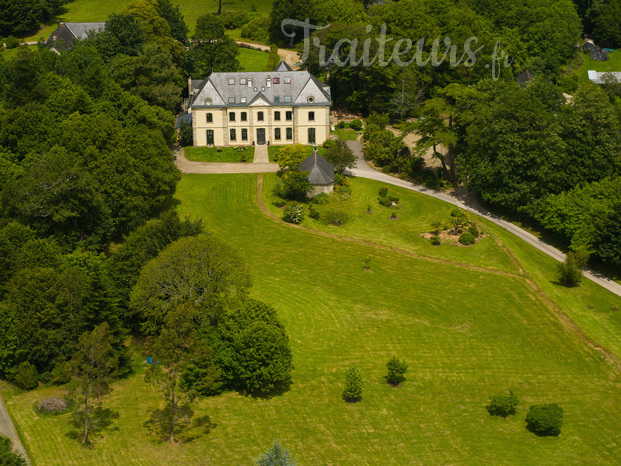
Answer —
68 32
282 66
596 76
320 171
303 85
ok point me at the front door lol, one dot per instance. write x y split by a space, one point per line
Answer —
260 136
210 137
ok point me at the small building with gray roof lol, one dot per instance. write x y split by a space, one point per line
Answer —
68 33
320 173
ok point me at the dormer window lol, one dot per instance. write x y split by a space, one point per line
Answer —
310 99
268 82
231 100
287 98
242 81
249 82
232 81
208 101
242 100
276 80
287 80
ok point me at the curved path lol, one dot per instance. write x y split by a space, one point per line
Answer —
363 170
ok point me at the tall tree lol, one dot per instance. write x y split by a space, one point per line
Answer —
177 346
211 50
94 363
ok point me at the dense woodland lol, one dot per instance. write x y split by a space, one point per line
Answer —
91 249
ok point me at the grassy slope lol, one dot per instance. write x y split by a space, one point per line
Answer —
466 333
96 10
211 154
252 60
613 64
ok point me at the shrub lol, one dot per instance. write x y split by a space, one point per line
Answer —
384 201
7 456
11 42
457 212
328 143
473 229
344 192
52 405
257 29
276 456
335 216
342 124
353 385
367 262
293 214
26 376
436 225
545 420
312 213
467 238
396 371
393 199
393 215
321 198
570 271
435 240
502 405
61 374
356 125
383 192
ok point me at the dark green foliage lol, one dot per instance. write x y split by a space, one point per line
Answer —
312 213
25 16
353 385
396 371
473 229
295 185
328 143
356 124
570 271
26 376
186 134
7 457
293 214
257 30
211 49
502 406
174 18
435 240
467 238
253 349
123 35
340 155
383 192
276 456
11 42
545 419
288 9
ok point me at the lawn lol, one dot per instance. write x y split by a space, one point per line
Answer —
467 332
252 60
96 10
346 134
211 154
612 64
272 150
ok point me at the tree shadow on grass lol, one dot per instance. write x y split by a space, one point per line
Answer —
187 428
279 390
100 420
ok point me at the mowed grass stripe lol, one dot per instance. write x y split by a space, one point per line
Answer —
466 335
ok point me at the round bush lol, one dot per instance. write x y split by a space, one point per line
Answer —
353 385
474 230
435 241
293 214
467 238
502 406
26 376
52 405
545 420
356 125
328 143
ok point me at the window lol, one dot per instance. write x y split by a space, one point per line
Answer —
268 83
244 116
260 116
262 89
276 80
311 135
276 99
242 100
231 81
289 116
232 116
244 134
289 134
209 118
277 134
276 116
311 116
210 137
287 80
242 81
231 100
249 82
287 98
310 99
208 101
233 134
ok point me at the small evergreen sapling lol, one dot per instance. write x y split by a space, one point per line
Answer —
396 371
276 456
353 385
